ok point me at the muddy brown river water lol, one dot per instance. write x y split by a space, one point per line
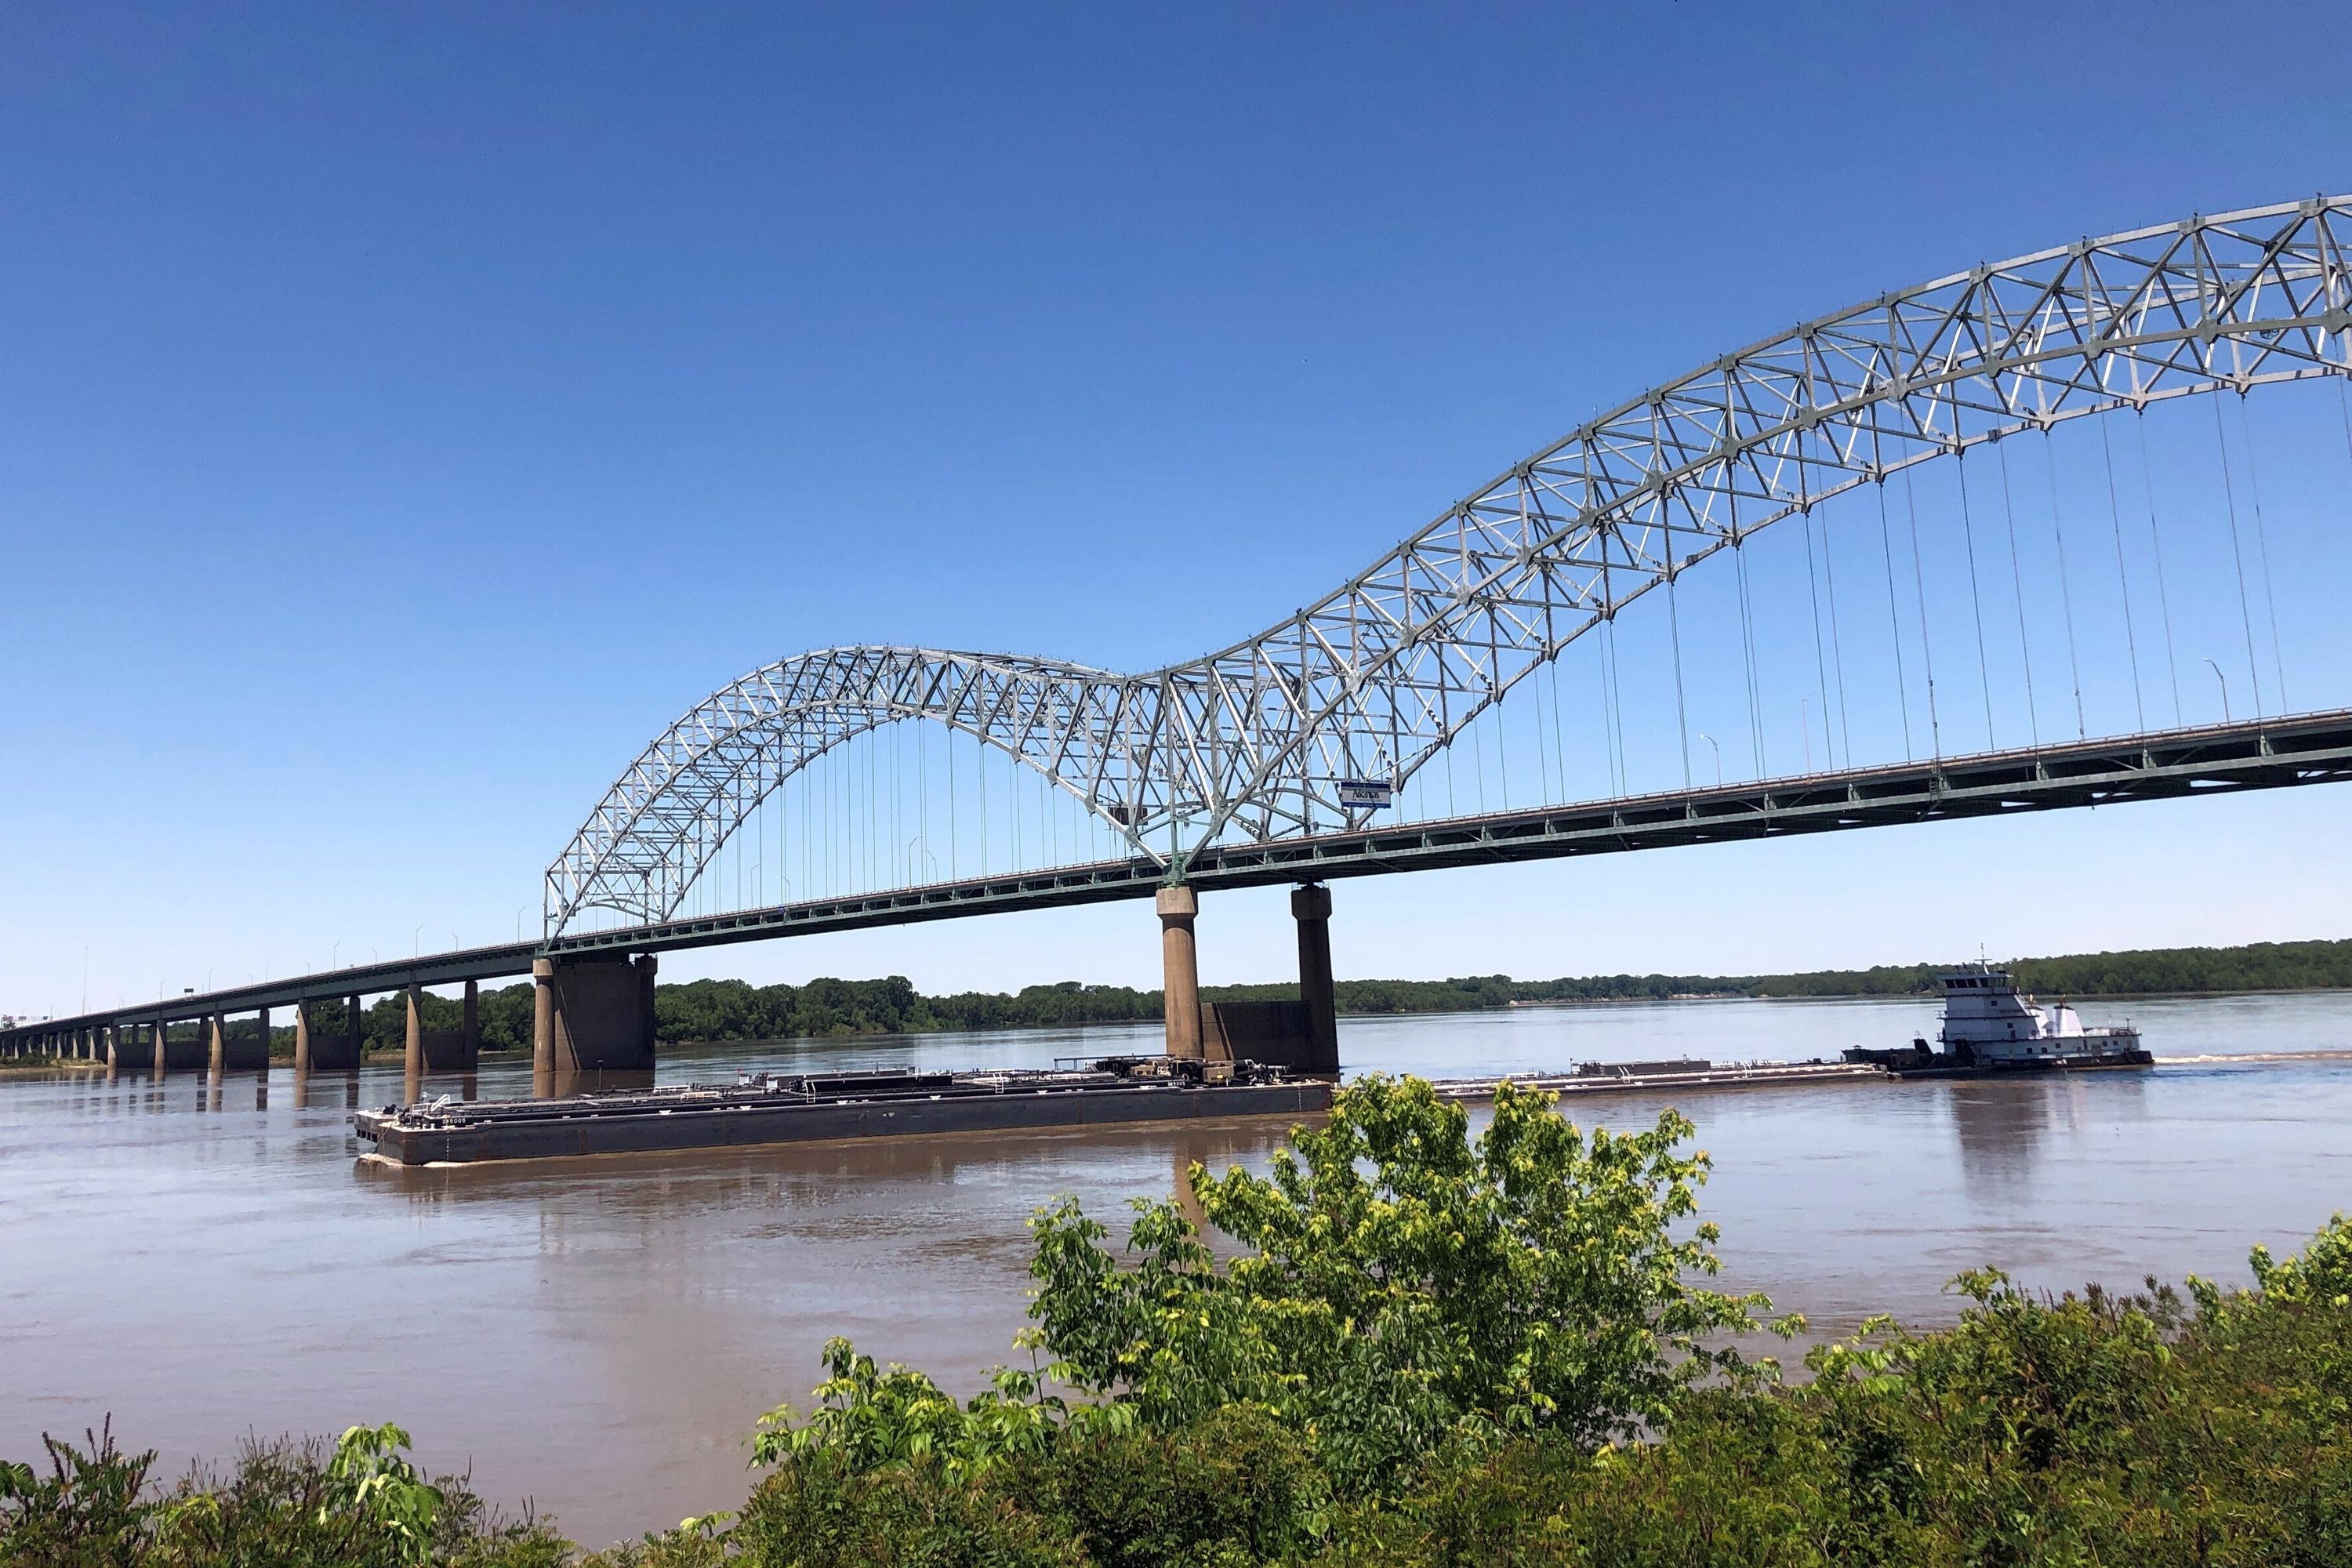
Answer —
599 1336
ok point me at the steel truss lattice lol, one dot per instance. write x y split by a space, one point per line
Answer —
1250 743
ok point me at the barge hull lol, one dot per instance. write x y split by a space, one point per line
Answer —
750 1125
2112 1061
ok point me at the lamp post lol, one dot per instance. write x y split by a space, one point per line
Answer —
1718 757
2225 687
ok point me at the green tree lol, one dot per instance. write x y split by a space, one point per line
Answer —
1404 1285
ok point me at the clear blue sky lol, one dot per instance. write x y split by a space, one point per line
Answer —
404 414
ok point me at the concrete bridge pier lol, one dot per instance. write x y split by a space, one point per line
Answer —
1179 962
590 1014
413 1058
1302 1036
160 1034
314 1052
1310 906
224 1050
442 1050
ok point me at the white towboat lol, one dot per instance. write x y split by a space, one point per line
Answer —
1990 1026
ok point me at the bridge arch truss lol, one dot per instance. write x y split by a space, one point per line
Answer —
1376 677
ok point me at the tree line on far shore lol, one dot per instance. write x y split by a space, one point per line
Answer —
737 1010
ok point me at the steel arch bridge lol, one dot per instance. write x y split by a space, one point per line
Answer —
1251 743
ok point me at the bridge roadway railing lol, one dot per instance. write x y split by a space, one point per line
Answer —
2258 753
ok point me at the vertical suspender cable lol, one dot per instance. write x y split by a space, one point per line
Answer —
1502 753
1607 662
2245 610
1893 619
1837 644
2016 578
1447 744
1747 646
1927 644
2065 590
1479 757
1617 703
1543 757
1976 602
1675 635
1608 740
1820 660
2156 544
2123 576
2262 548
1558 735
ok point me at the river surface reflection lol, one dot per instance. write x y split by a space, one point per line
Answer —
206 1260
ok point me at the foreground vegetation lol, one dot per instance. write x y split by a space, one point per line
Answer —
1421 1348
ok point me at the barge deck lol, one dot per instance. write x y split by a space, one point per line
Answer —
1603 1077
817 1107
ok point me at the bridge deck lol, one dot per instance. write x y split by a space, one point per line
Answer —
2261 753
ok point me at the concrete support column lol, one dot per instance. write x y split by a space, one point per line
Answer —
301 1037
472 1045
353 1034
1181 965
113 1047
1310 906
263 1024
414 1061
592 1015
542 1027
216 1035
163 1041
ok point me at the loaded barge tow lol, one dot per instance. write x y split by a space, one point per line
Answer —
794 1107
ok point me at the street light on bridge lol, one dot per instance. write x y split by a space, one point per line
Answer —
2225 687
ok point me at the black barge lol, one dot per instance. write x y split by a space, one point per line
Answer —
773 1108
